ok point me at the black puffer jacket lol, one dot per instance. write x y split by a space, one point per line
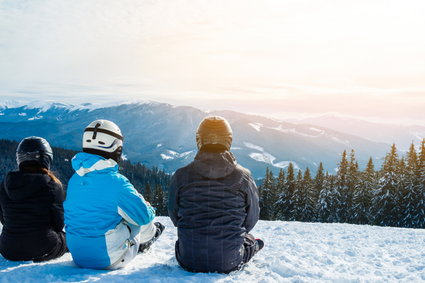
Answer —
31 212
214 203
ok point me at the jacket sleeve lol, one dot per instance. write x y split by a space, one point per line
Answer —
172 200
56 209
252 205
1 210
1 215
132 206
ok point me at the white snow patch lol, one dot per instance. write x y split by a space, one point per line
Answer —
35 118
266 157
295 132
256 126
417 135
317 130
45 105
338 140
171 154
166 157
22 114
1 114
159 145
284 164
283 130
293 252
263 157
253 146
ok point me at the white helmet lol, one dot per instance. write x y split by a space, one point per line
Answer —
104 138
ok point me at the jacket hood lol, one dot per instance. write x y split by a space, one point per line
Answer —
19 186
214 165
84 163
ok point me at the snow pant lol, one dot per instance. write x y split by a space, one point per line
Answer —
249 250
138 235
37 247
59 250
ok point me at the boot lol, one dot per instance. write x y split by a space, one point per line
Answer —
259 244
145 246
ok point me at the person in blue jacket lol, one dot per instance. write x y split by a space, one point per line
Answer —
106 220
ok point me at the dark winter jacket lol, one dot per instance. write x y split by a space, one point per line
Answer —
214 203
31 212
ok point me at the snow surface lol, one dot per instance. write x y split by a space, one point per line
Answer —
293 252
45 105
253 146
166 157
171 154
256 126
295 132
267 157
338 140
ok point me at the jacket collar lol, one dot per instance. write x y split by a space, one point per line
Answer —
214 165
84 163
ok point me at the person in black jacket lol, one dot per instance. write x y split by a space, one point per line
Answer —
213 202
31 208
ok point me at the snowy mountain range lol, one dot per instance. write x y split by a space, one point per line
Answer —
163 135
293 252
401 135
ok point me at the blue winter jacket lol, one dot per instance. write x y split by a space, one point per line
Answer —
101 205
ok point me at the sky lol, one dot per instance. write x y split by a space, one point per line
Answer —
274 57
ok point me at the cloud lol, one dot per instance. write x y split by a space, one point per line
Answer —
306 56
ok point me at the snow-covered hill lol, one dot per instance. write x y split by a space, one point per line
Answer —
293 252
401 135
163 135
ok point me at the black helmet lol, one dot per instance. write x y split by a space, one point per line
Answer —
214 130
34 151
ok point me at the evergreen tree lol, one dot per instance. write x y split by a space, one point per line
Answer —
343 189
308 210
363 194
420 207
409 194
327 207
386 198
147 194
401 191
285 202
353 176
297 199
318 187
282 195
267 196
159 201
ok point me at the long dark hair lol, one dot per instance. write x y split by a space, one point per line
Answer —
40 170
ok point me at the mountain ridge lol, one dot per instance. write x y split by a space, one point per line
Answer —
163 135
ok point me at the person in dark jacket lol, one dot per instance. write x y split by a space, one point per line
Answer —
31 208
213 202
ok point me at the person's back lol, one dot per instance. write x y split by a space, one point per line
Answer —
214 203
31 206
106 218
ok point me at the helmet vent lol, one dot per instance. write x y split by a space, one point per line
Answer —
88 140
101 142
95 131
